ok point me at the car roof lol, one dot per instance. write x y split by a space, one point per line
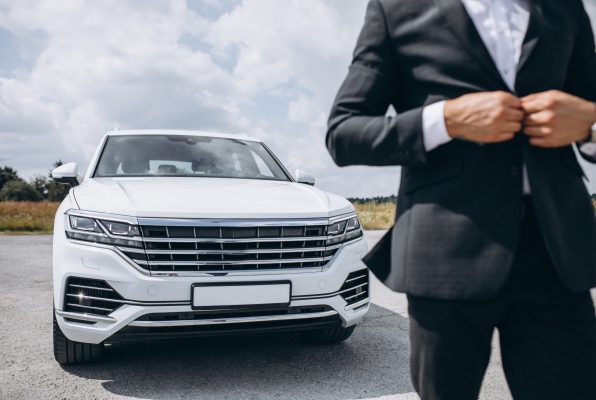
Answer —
126 132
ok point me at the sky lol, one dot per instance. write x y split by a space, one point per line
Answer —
70 70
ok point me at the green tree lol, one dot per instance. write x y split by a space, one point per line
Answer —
8 174
56 191
40 184
19 190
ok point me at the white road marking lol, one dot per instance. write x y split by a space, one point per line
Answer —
403 396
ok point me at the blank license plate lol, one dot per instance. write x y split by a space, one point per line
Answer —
245 295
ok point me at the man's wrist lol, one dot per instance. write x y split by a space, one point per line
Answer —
449 110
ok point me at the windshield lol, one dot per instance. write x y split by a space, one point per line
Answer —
181 155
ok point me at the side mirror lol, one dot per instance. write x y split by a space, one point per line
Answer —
66 174
304 177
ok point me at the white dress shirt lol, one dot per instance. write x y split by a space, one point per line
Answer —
502 25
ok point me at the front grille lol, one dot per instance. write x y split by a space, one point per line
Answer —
90 296
355 288
217 249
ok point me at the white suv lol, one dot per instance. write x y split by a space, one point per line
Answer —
178 233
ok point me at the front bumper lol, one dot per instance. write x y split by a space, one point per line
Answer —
148 295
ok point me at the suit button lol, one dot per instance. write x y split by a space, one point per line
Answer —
515 170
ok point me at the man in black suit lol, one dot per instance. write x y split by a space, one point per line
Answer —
494 227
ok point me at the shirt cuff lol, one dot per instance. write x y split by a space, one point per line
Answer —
433 126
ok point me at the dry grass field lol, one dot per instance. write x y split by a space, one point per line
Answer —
375 215
19 218
26 217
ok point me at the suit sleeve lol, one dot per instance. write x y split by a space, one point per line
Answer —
581 73
359 132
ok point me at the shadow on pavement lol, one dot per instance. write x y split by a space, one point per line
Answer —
372 363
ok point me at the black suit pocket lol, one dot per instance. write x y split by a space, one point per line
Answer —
420 177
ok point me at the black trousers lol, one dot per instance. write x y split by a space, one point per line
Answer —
547 334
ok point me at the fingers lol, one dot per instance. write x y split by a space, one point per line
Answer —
539 118
509 100
549 100
510 110
538 95
510 116
534 105
537 102
511 127
537 131
513 114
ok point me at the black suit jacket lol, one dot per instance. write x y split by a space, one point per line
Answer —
459 205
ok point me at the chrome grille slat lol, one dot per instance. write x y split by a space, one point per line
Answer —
352 297
84 297
89 307
252 251
236 246
353 288
239 240
233 320
131 250
354 279
249 262
91 287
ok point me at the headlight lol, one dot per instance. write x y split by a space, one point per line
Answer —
352 224
121 229
343 231
84 224
97 230
336 228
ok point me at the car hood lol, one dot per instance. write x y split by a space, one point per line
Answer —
181 197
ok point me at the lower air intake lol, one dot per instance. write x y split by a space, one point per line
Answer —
90 296
355 288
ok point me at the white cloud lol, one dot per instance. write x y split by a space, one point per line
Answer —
305 42
106 64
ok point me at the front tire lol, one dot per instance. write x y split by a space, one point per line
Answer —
67 351
331 335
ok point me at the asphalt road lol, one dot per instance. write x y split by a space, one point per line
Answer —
372 364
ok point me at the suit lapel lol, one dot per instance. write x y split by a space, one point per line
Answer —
532 37
463 27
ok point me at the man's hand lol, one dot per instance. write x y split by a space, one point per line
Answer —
557 119
485 117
